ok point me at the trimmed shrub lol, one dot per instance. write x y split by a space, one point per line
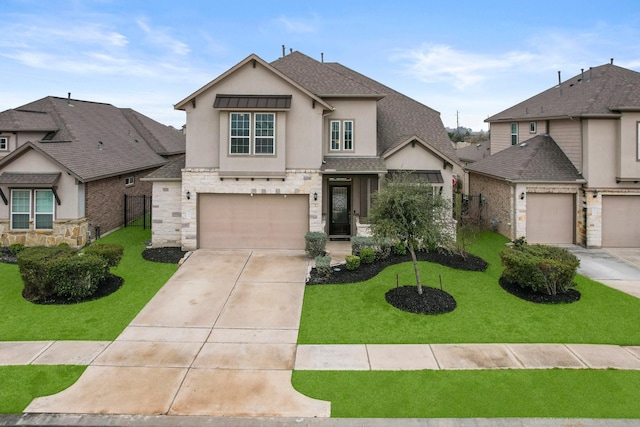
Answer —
16 248
360 242
78 276
111 253
384 249
315 243
367 255
35 265
353 262
400 248
542 268
323 265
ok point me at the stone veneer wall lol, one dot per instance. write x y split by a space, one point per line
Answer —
72 232
167 214
206 180
499 199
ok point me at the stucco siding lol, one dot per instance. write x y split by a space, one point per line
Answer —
363 114
628 153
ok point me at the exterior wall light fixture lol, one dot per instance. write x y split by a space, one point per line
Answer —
522 196
188 195
315 197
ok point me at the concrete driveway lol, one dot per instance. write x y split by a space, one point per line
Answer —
218 339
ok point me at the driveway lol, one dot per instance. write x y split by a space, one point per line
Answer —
218 339
618 268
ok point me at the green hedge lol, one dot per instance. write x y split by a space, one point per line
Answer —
323 265
78 276
542 268
110 252
35 265
352 261
367 255
315 243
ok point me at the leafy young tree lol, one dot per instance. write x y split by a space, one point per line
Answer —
409 209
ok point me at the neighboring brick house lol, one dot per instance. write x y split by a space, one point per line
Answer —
565 164
67 163
277 149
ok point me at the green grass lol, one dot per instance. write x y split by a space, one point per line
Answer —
358 313
21 384
475 394
102 319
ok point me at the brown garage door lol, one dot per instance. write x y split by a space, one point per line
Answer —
550 218
620 225
264 221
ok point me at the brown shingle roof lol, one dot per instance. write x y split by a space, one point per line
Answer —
96 140
17 120
399 117
170 171
599 91
353 165
474 152
538 159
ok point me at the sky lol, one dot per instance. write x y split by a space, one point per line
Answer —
466 59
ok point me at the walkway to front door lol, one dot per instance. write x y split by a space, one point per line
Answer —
218 339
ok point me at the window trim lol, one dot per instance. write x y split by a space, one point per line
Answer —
252 136
130 181
514 133
4 146
533 127
340 143
52 213
12 212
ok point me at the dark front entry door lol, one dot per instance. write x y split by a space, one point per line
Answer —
340 211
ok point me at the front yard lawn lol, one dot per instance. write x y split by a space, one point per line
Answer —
98 320
358 313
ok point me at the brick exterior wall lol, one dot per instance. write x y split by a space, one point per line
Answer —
205 180
105 199
167 214
498 196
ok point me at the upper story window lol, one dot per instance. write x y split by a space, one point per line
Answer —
533 127
252 133
514 133
4 143
27 204
341 135
129 181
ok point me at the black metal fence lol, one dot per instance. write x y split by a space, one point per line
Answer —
471 209
137 211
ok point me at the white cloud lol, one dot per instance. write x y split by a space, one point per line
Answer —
298 25
161 37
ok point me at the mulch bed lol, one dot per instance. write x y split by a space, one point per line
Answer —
431 301
528 294
7 256
165 255
341 275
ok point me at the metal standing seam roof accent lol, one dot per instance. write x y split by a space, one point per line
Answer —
18 179
253 101
432 176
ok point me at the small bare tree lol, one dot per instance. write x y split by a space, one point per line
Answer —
409 210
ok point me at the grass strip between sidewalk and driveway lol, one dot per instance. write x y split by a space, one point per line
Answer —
553 393
359 314
99 320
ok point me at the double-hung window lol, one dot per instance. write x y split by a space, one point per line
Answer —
252 133
26 204
341 135
514 133
4 143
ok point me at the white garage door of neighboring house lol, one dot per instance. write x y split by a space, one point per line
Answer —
550 218
264 221
620 223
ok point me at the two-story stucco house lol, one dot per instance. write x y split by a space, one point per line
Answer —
565 164
67 163
278 149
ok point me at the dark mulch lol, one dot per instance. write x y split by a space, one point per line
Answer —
7 256
165 255
431 301
528 294
341 275
108 286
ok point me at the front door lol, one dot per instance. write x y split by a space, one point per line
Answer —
340 209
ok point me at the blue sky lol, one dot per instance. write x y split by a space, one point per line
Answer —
474 57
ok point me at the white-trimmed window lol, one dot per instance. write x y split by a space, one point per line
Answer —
514 133
341 135
4 143
129 181
533 127
27 204
259 138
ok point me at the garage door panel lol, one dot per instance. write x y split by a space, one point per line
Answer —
620 225
550 218
239 221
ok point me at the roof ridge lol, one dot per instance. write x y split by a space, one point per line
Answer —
59 118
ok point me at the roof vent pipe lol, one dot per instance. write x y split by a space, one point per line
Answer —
559 79
321 56
582 74
69 96
611 61
290 50
283 51
590 69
